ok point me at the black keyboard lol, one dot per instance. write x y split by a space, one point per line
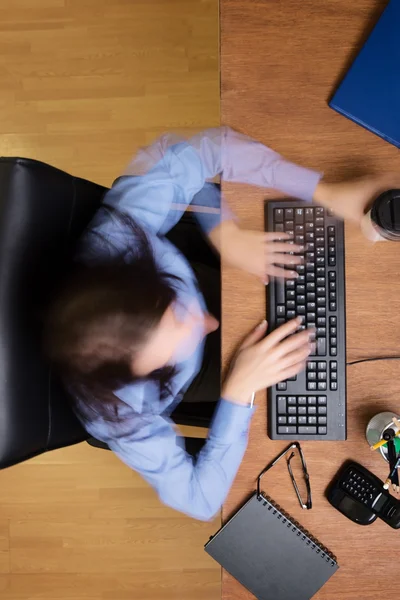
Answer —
311 406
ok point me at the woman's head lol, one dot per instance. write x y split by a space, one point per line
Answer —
113 322
119 320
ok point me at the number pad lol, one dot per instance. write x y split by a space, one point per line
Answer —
301 415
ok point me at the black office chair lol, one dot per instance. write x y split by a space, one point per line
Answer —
43 211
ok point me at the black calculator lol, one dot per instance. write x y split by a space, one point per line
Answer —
359 495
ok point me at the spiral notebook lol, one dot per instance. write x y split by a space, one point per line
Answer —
270 553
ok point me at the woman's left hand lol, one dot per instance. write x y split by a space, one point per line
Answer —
261 254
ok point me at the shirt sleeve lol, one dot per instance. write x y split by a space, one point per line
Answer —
165 178
196 487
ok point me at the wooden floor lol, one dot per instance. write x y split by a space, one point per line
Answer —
83 83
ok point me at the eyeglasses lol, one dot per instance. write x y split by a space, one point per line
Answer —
294 449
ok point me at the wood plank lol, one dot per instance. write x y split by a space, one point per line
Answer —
83 84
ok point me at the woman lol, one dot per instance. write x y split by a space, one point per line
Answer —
127 330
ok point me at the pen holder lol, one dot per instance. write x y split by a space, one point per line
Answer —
376 427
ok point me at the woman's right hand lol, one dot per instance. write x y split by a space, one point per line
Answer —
264 361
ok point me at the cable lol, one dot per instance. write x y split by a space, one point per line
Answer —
372 359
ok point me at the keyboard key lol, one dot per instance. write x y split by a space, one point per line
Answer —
282 420
310 236
322 410
299 215
321 347
320 271
278 215
280 322
321 331
334 386
301 299
290 294
312 420
289 225
299 229
311 317
312 386
332 321
311 306
302 420
321 420
322 376
332 276
310 286
289 214
334 351
312 400
302 400
319 211
310 277
291 400
311 297
291 305
332 331
333 341
320 241
312 366
280 310
301 310
319 221
291 314
279 228
321 301
333 376
307 430
321 400
332 261
332 286
291 410
312 410
282 386
331 230
320 260
321 321
331 251
310 227
321 281
302 410
309 214
322 430
319 231
279 292
322 386
310 247
321 311
281 405
321 291
288 430
292 421
321 365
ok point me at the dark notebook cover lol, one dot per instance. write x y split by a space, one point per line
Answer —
270 554
370 92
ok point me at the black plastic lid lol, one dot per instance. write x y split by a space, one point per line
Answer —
386 212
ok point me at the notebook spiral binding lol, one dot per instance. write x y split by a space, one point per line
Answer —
297 528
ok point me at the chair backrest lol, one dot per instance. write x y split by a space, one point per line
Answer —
42 213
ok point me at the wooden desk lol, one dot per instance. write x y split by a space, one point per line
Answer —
281 60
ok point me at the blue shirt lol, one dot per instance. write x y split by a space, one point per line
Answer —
155 190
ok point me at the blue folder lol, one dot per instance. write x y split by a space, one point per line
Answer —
370 92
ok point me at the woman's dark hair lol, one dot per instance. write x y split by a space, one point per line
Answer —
103 314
